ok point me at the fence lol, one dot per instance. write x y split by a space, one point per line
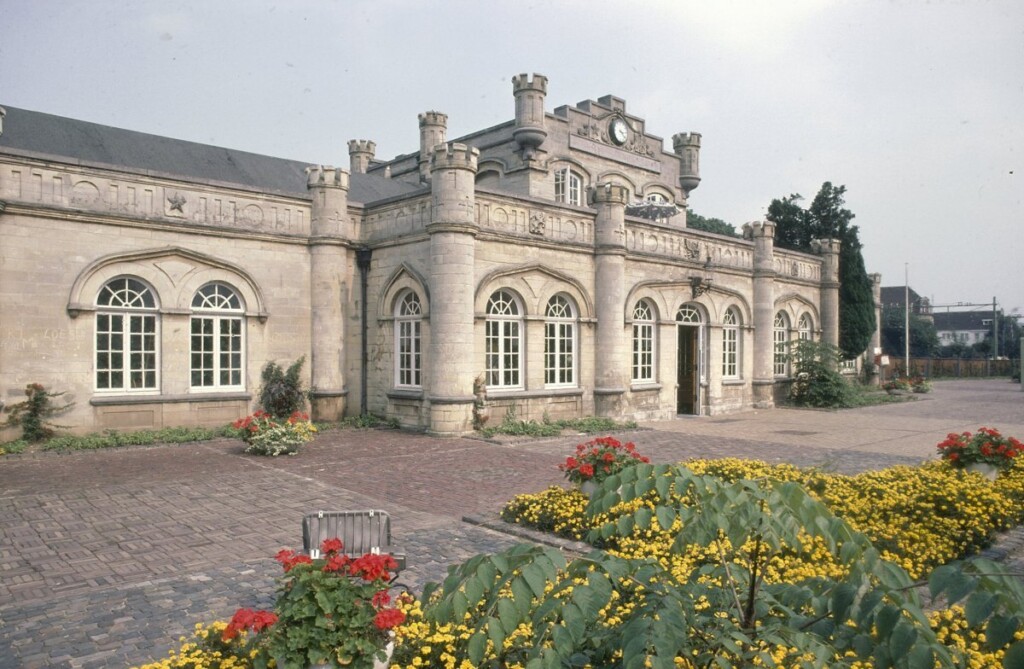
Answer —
952 367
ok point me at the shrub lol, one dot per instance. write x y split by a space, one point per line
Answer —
267 436
599 458
817 381
281 390
31 414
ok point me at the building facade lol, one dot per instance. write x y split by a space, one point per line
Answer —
541 266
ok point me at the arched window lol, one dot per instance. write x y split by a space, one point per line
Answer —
780 340
731 344
217 339
803 328
504 338
408 362
126 337
688 315
560 343
568 187
643 342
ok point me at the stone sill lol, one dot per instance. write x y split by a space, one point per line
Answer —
532 394
116 400
646 387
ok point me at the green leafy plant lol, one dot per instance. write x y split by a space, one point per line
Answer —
985 446
32 413
281 392
266 435
817 381
920 385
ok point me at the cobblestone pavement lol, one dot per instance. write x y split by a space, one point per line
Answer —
107 557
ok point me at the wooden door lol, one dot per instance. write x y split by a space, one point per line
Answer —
687 372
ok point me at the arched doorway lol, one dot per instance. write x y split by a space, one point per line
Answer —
689 359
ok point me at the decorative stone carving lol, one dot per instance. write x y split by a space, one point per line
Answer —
537 223
176 203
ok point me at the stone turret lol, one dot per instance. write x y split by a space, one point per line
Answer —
452 229
687 146
329 187
3 112
433 126
763 235
330 286
529 132
360 153
829 250
610 279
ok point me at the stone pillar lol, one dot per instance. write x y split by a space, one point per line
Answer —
876 336
764 314
330 271
611 350
360 153
829 250
452 231
687 146
433 126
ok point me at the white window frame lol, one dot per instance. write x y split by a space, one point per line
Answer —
780 345
219 362
569 187
504 342
408 341
560 344
127 338
804 328
731 344
643 343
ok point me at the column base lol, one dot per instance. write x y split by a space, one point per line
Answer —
764 394
328 407
451 416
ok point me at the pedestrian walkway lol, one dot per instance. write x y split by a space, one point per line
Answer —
107 557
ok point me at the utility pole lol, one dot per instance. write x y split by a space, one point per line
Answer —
995 331
906 319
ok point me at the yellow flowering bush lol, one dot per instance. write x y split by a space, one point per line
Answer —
207 649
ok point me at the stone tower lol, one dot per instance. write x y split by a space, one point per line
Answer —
360 153
611 350
330 285
433 126
829 250
764 313
529 132
687 146
452 231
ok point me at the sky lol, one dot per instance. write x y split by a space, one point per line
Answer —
917 107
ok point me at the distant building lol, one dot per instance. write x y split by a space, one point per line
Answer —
962 327
894 297
542 266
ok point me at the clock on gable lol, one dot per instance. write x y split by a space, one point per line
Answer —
618 131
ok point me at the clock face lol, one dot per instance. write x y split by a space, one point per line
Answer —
618 131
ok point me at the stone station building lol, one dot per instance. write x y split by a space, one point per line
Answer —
541 266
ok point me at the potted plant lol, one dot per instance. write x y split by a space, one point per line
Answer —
331 611
598 459
986 451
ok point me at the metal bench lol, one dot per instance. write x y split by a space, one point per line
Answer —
361 532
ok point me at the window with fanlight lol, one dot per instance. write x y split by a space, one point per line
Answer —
780 340
568 187
504 342
408 324
127 326
643 342
217 339
560 343
731 344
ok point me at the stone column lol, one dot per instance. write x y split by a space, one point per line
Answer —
764 314
330 273
876 336
829 250
452 231
612 351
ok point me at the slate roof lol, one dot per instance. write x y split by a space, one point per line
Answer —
958 321
68 140
893 296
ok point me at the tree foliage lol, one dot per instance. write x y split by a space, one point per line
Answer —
281 392
924 340
716 225
828 218
817 381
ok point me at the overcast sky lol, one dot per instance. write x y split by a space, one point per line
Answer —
917 107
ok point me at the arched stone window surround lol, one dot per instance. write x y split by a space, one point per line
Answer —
174 274
538 282
561 342
658 187
404 278
575 168
491 166
803 332
621 179
795 305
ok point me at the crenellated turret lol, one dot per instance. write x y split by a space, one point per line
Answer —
529 132
329 188
454 190
360 153
433 126
687 146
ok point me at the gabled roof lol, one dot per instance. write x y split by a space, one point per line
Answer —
955 321
35 134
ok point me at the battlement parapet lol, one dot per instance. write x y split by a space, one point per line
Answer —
362 146
684 140
522 82
433 118
326 176
454 156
